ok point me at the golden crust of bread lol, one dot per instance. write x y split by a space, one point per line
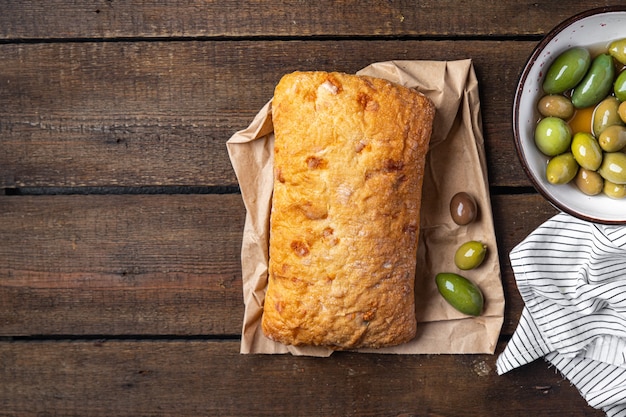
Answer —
348 169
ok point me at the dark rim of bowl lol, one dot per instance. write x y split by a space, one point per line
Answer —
522 80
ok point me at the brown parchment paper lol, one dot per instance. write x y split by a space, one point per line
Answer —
455 162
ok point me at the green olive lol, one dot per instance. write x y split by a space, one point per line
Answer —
589 182
619 88
613 167
586 151
567 70
612 190
617 49
470 255
596 84
605 114
621 110
555 105
613 138
460 293
553 136
561 169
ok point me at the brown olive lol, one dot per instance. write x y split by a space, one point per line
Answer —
555 105
589 182
463 208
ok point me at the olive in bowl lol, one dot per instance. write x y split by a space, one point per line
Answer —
593 31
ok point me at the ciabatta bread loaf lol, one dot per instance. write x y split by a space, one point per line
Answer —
348 168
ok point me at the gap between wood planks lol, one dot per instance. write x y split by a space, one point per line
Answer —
142 190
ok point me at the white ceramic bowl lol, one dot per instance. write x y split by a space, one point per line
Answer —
593 28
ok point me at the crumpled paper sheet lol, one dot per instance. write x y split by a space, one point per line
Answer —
455 162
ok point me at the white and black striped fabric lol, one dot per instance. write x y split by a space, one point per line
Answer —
571 275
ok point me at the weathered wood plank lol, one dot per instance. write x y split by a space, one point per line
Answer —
121 264
102 94
62 19
154 264
515 217
191 378
159 113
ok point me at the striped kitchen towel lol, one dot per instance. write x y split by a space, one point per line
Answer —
571 275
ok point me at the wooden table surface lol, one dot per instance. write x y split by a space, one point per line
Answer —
121 218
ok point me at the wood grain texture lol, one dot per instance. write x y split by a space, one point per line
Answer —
121 264
154 264
118 303
193 378
159 113
60 19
